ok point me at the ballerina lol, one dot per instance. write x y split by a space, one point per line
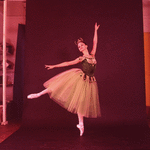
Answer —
76 89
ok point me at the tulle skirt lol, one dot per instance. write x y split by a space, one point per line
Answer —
75 93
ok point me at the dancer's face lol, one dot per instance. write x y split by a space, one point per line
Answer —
82 46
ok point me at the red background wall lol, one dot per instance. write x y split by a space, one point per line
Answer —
53 26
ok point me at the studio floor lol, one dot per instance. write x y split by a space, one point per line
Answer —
14 136
9 129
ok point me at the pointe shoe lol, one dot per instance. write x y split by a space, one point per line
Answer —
81 128
32 96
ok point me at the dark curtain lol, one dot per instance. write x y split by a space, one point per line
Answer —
17 103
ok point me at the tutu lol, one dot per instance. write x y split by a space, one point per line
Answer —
71 90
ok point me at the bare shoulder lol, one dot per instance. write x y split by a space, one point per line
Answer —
81 58
92 55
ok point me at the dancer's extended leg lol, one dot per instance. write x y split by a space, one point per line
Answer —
80 126
36 95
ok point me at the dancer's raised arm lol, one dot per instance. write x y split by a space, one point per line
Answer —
68 63
95 39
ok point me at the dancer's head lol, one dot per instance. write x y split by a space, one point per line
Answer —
81 45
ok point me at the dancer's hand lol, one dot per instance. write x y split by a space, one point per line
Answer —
96 26
48 67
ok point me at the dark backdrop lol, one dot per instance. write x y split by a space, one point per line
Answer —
51 29
18 88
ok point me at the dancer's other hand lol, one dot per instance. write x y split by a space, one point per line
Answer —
96 26
48 67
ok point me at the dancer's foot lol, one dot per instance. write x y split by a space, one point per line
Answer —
31 96
81 128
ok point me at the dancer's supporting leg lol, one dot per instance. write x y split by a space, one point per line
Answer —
36 95
80 126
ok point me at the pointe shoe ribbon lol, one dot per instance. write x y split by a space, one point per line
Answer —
81 128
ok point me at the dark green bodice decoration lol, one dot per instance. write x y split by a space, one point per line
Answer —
88 69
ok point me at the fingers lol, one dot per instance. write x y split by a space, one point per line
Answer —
47 67
96 26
